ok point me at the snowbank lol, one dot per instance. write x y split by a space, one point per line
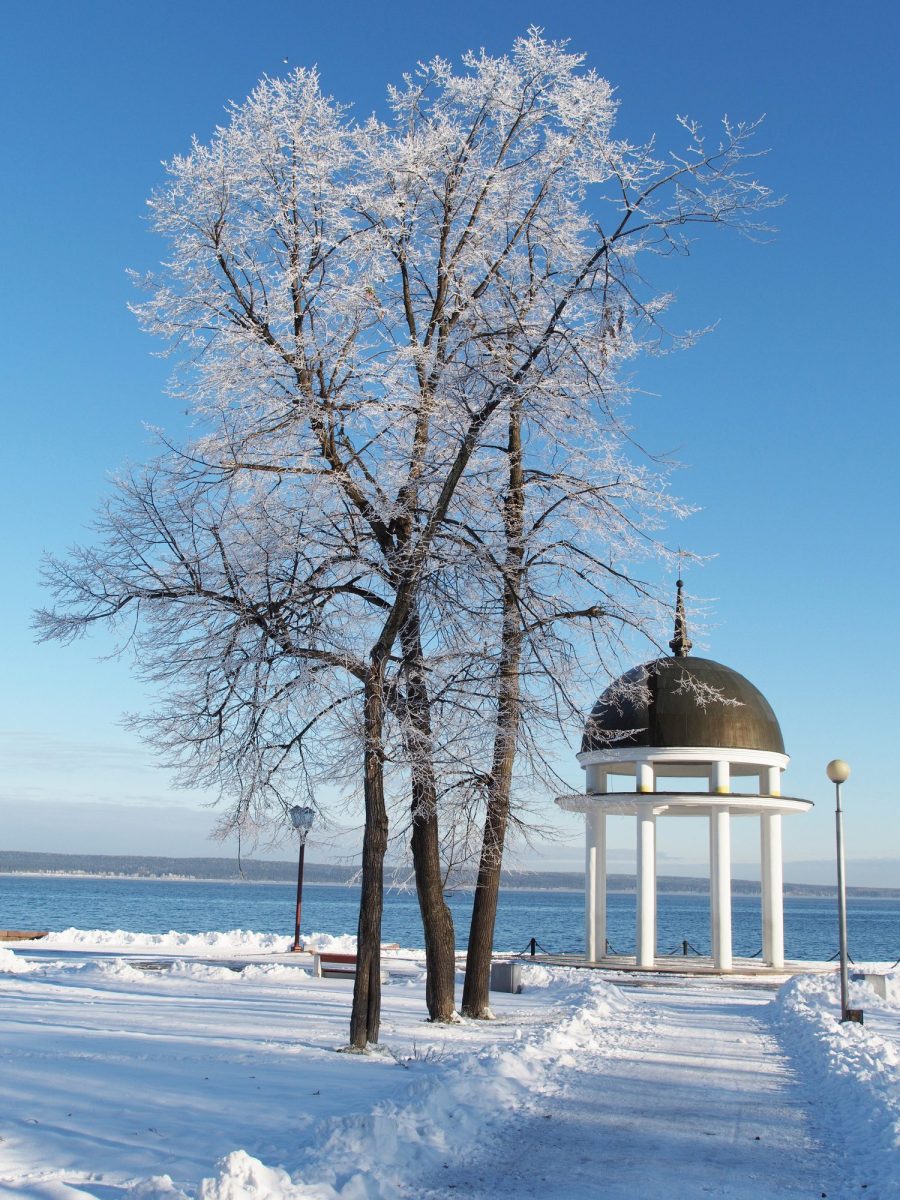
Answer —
445 1113
11 964
238 1068
242 1177
221 945
232 943
857 1071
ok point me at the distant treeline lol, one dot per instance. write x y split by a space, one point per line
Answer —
138 866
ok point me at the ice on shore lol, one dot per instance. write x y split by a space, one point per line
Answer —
234 942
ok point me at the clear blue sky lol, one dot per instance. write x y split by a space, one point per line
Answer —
785 418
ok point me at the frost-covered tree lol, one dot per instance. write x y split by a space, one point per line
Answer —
400 340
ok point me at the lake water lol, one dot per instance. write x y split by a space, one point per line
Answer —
555 919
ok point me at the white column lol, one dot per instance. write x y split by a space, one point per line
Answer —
596 778
713 874
646 886
655 898
720 887
773 781
713 869
643 777
772 889
595 885
590 890
720 778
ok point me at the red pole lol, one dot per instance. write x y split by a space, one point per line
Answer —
296 945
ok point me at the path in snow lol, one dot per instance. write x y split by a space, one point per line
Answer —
696 1099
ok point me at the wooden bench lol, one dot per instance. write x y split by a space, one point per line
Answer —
329 965
325 963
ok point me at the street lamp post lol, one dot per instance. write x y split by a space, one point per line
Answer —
301 819
838 772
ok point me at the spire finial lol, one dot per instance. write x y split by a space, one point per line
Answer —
680 644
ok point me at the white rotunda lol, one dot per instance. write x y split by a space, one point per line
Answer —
682 717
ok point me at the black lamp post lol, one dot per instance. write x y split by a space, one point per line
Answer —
838 772
301 819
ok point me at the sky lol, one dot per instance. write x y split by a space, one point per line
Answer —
783 418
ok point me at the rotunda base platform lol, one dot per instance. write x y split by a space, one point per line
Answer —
693 966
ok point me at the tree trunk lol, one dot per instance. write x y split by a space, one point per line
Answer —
365 1017
364 1020
476 989
437 920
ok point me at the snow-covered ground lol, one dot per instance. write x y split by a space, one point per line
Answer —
151 1066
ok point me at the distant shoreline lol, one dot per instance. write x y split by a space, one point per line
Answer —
748 887
218 869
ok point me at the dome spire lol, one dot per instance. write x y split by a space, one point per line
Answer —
680 644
